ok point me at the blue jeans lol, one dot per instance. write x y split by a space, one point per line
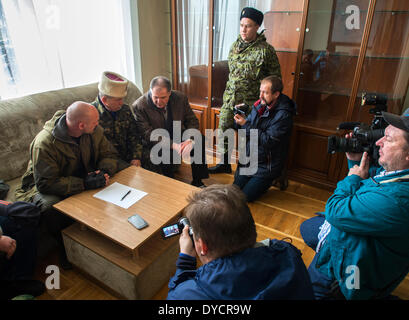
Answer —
253 187
323 286
309 230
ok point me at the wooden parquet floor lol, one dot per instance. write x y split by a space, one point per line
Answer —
277 214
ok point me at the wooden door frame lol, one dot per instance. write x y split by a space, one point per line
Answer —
361 59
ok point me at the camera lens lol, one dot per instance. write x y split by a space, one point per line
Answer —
340 144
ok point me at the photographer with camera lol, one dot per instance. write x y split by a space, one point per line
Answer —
362 240
234 265
70 155
272 116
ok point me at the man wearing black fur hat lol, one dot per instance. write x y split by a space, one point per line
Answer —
251 59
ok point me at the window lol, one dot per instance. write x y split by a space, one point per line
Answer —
53 44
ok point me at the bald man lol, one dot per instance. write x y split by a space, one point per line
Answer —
71 154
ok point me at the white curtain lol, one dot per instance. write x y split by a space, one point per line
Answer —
60 43
193 35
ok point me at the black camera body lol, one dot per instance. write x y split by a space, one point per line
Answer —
177 228
364 135
241 109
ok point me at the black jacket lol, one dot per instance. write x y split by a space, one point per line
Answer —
273 131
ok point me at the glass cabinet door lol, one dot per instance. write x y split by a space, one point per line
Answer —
386 66
333 37
192 26
332 40
283 25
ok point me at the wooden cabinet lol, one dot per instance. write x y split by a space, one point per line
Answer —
330 53
346 52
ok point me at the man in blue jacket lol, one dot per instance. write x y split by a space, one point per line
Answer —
362 241
272 119
234 267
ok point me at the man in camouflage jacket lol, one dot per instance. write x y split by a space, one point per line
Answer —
116 118
71 154
251 59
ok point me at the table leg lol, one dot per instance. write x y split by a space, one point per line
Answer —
135 254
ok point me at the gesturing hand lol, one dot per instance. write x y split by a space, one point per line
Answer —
363 169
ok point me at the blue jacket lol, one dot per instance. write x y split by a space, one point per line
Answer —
274 130
268 272
369 230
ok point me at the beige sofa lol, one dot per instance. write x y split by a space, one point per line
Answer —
22 118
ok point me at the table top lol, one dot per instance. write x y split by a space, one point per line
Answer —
164 202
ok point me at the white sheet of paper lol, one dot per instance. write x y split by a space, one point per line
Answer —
116 191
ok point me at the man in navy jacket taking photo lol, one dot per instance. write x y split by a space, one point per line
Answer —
234 265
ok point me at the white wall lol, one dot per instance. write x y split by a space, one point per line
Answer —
151 29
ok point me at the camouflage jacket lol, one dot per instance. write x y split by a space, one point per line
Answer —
249 63
121 131
58 165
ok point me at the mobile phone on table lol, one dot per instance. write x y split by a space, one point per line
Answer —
137 221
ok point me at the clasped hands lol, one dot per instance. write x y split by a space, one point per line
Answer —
96 179
183 148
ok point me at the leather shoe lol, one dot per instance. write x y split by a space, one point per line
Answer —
220 168
198 184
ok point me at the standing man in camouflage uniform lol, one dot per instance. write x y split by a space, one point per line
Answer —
251 59
116 117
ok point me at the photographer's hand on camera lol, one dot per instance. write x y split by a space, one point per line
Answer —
186 244
240 120
351 155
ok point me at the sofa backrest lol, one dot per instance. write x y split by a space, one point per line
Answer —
22 118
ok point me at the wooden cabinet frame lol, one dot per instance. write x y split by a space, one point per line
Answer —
337 167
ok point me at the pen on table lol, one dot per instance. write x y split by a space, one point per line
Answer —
129 191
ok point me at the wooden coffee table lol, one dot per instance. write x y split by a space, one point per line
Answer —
103 240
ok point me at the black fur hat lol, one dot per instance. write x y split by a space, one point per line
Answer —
253 14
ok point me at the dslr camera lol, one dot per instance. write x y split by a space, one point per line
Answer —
364 136
241 109
177 228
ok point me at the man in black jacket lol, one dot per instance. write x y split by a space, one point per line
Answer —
272 117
